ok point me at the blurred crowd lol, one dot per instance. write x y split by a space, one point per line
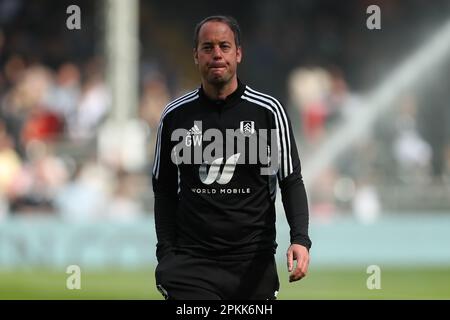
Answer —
49 122
54 100
395 165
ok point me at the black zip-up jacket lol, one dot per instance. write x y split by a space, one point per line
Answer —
225 207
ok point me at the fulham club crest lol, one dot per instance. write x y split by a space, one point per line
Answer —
247 127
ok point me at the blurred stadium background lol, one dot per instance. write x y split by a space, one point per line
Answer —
79 110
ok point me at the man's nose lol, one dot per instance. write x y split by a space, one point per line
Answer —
217 53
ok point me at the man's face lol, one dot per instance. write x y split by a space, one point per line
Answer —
216 54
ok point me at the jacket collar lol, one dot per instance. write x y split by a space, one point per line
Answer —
230 99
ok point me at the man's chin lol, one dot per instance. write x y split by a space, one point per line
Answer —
218 80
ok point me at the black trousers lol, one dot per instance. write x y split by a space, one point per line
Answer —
180 276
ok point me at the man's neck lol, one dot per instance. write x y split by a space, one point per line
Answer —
219 92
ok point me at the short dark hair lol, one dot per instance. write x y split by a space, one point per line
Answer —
228 20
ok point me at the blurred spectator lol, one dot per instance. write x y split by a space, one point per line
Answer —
41 125
65 93
412 152
154 98
93 106
124 205
322 199
309 89
39 180
366 204
84 199
10 167
341 101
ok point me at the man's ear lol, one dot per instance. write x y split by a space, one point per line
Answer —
239 54
195 54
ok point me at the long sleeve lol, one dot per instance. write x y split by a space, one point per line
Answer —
295 204
293 191
165 188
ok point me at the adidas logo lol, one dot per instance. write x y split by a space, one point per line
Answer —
194 135
194 130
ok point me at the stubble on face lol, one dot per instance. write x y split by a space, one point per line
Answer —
216 54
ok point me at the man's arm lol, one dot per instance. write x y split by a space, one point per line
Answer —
296 207
295 204
165 188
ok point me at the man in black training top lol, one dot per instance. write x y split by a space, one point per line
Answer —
219 153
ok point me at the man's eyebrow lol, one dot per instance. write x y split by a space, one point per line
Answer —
211 42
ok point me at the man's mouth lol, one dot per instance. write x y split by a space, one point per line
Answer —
217 67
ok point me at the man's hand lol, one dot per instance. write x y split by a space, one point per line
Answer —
301 254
